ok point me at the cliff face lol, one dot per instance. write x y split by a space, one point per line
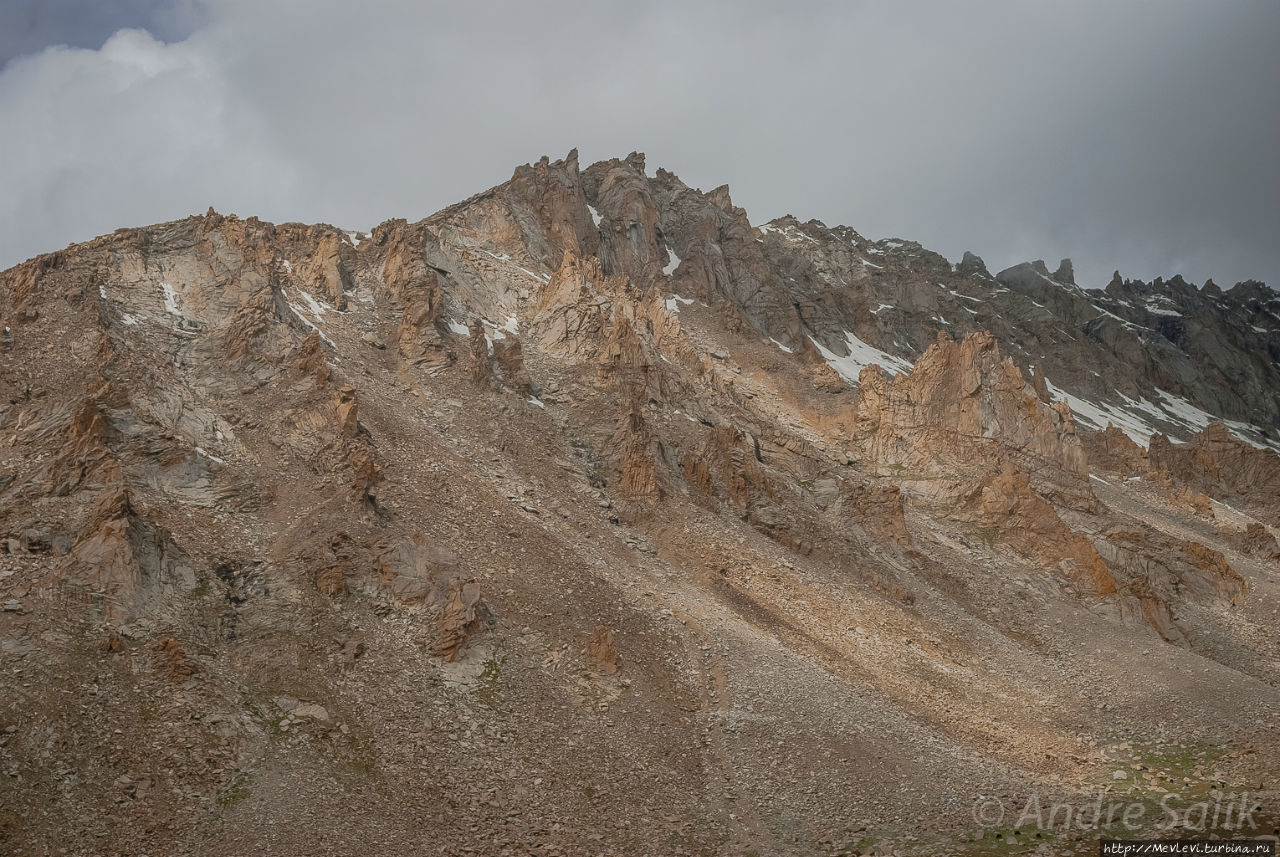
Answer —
1223 467
585 514
962 411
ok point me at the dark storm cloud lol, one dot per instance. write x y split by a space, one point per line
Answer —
1138 136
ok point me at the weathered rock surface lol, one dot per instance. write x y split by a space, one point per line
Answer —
290 514
1224 467
958 415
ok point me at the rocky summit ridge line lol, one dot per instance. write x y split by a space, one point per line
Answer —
585 517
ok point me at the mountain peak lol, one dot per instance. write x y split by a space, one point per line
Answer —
1066 273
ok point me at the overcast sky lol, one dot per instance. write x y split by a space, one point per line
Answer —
1141 136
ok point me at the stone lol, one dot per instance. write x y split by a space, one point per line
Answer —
602 656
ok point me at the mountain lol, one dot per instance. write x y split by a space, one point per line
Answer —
585 517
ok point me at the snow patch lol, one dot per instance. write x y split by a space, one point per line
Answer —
459 328
1185 412
534 400
1157 306
790 233
317 309
1098 416
131 319
170 300
673 263
860 356
297 310
878 309
672 303
780 345
595 216
209 455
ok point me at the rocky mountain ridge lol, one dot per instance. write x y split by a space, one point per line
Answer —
585 516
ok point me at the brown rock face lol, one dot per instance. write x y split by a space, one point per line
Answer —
1224 467
85 455
1258 541
459 620
417 572
634 443
329 268
346 409
509 355
413 291
1027 523
1040 385
1193 501
481 362
625 363
552 195
629 231
275 528
727 471
1161 572
951 421
572 311
1113 450
876 507
124 561
168 657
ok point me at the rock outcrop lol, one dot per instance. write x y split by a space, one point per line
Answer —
413 291
1016 515
951 422
1114 451
1259 541
425 575
123 563
1224 467
1160 572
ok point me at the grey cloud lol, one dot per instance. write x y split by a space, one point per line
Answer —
28 26
1137 136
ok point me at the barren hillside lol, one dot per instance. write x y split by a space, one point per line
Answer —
586 517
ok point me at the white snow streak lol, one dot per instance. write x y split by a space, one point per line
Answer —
170 300
860 356
672 264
